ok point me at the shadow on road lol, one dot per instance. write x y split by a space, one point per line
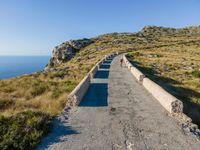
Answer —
110 59
96 96
175 88
102 74
58 134
107 61
105 66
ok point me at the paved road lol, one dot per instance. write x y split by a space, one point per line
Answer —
118 113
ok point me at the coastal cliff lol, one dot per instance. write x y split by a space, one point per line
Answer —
65 51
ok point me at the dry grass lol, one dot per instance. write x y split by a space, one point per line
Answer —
47 92
170 60
173 62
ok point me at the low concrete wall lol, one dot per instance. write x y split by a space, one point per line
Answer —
139 75
93 71
78 93
101 61
96 67
168 101
136 73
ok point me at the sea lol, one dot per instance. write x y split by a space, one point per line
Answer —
12 66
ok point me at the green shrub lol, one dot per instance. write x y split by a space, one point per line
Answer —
8 90
136 54
39 88
62 87
197 85
24 130
56 93
4 103
68 86
59 74
196 73
133 54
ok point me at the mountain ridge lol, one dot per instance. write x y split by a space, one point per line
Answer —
66 50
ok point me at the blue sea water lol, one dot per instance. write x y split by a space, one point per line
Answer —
12 66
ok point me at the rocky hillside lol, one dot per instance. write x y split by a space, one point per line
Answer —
66 51
163 31
182 42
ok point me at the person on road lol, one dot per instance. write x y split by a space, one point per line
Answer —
121 62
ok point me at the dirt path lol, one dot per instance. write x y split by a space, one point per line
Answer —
118 113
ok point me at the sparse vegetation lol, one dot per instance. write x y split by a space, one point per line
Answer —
38 88
23 130
59 74
44 94
196 73
172 60
5 103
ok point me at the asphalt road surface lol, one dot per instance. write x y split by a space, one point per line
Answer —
117 113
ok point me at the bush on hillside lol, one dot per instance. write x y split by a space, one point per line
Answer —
196 73
59 74
24 130
5 103
38 88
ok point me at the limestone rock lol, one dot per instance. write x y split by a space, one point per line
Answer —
65 51
164 31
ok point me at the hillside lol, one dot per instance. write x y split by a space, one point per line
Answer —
168 54
172 61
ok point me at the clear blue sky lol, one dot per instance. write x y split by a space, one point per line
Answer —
34 27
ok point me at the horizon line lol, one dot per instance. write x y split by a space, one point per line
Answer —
25 55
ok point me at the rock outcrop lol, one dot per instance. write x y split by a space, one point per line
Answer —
164 31
65 51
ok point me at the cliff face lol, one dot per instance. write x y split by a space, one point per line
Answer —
65 51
